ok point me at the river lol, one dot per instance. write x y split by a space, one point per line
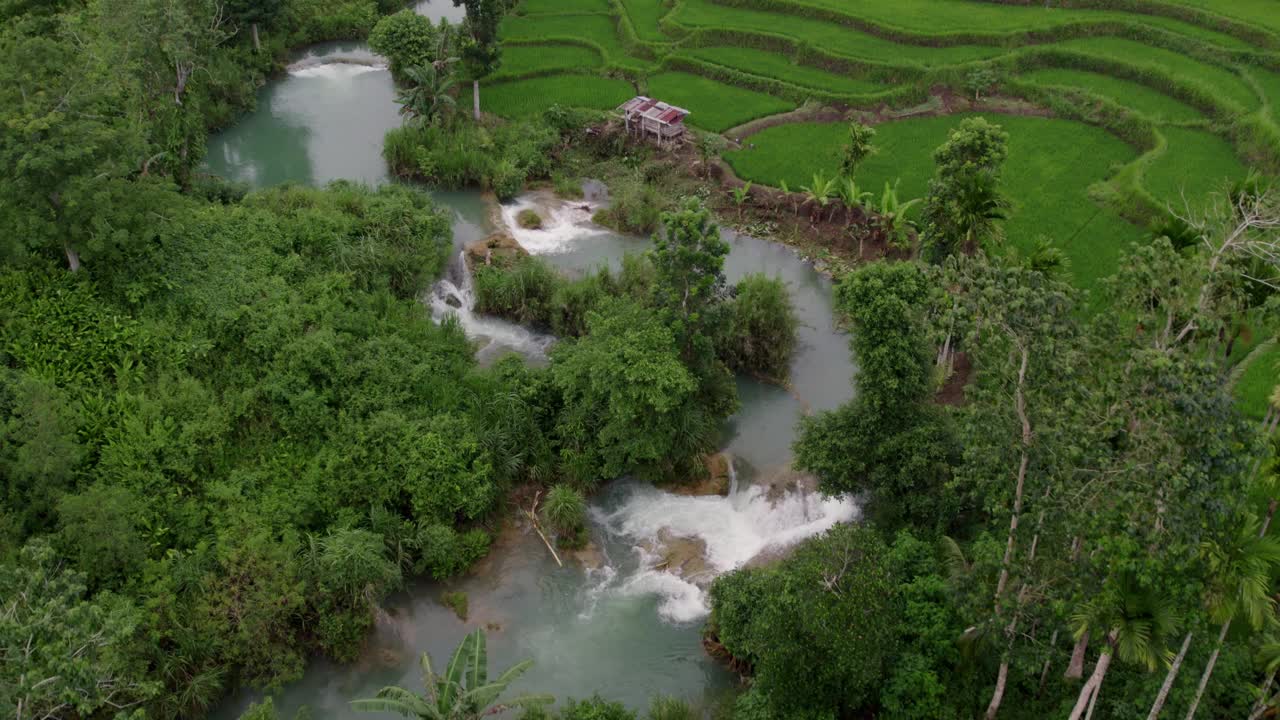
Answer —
623 630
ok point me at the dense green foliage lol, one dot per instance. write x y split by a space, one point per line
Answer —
890 441
834 599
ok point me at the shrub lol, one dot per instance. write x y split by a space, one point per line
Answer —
636 207
444 552
759 334
566 186
506 180
565 510
405 39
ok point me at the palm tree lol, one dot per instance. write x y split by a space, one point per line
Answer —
1136 622
429 97
893 218
979 207
1241 572
462 693
819 192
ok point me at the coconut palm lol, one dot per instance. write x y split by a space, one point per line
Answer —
463 692
429 97
1241 587
1135 622
893 216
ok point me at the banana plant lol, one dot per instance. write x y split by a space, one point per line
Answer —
786 191
819 192
463 692
851 195
740 195
897 228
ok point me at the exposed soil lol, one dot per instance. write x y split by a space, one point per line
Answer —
498 248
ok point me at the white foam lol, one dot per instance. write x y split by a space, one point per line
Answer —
498 334
564 224
334 70
735 529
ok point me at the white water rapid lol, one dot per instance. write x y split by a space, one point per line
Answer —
735 528
453 295
566 225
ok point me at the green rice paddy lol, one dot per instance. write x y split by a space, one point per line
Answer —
714 105
1196 165
1178 77
1051 164
1126 93
778 66
524 98
522 60
1216 79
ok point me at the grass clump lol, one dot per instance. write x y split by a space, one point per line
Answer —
636 206
456 601
564 510
566 186
529 219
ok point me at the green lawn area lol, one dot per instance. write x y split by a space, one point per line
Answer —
1197 162
1051 164
520 60
1253 389
776 65
644 16
598 29
560 7
713 105
834 38
521 98
1152 103
1219 80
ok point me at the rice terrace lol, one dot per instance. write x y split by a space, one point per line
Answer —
1116 111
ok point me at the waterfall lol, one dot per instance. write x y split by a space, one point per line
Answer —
565 224
454 295
751 522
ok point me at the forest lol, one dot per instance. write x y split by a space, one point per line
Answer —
237 439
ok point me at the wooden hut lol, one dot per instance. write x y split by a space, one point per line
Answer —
649 118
